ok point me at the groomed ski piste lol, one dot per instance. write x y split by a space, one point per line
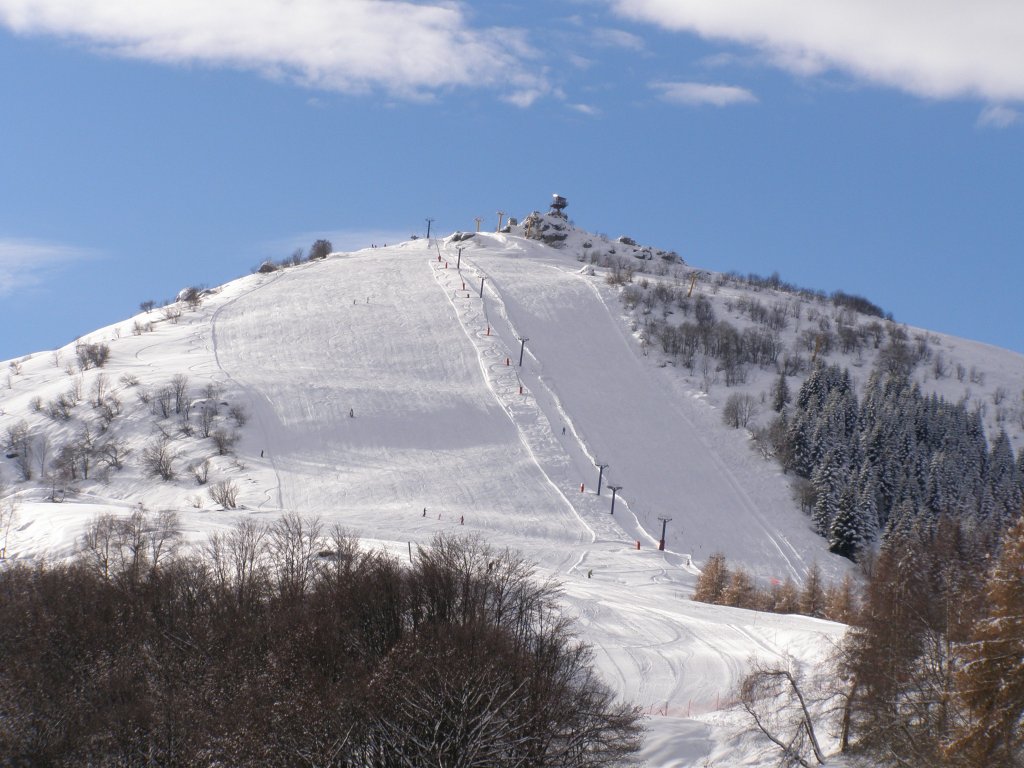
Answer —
386 394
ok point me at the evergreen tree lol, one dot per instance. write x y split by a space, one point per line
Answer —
780 393
991 683
1003 480
846 537
942 485
827 480
867 504
1020 470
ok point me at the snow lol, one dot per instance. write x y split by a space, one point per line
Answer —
379 383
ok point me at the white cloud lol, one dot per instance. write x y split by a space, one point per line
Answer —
618 38
27 263
724 59
998 116
523 98
410 49
585 109
937 49
694 94
580 62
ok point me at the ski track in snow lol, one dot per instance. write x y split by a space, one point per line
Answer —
257 402
552 294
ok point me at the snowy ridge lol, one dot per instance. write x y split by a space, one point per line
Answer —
379 397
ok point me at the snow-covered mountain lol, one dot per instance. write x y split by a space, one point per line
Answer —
481 384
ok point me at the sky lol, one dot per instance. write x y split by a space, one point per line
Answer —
869 146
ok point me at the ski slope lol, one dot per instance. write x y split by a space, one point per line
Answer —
385 395
429 370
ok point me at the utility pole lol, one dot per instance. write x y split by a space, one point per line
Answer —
614 489
500 215
664 522
429 222
600 474
478 219
458 264
522 348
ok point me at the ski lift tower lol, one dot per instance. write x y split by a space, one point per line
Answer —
558 205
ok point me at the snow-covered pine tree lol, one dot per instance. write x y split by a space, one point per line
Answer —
867 503
828 481
1003 480
780 393
846 536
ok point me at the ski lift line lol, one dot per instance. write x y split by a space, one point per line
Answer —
508 404
544 388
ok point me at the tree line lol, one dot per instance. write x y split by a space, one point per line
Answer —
284 645
931 672
894 459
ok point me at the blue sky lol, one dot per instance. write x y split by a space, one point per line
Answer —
872 146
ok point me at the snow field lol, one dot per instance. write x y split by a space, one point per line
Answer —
439 422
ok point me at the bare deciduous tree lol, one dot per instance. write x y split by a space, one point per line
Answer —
239 560
207 418
225 493
92 355
163 403
201 471
239 415
739 409
19 445
179 390
224 440
773 698
158 458
109 409
164 537
294 546
8 516
171 313
61 409
112 453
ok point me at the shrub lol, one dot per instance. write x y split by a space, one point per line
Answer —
239 415
739 409
158 458
224 440
92 355
225 493
320 249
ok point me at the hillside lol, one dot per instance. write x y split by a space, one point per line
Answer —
380 390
